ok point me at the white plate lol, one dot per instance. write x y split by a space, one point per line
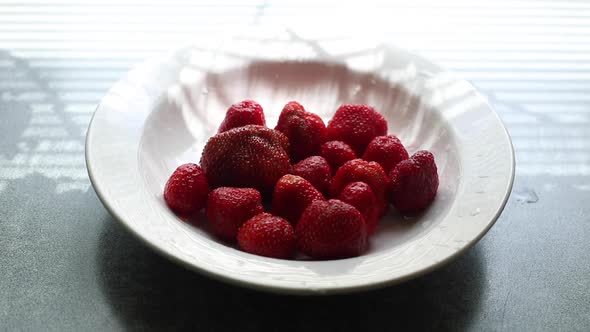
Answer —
161 114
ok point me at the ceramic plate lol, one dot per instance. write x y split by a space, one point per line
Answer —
162 113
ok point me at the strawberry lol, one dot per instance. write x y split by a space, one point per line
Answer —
241 114
248 157
369 172
306 131
361 196
414 183
356 125
317 171
292 195
331 229
267 235
387 151
186 190
228 208
337 153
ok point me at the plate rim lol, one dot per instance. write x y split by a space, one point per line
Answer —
307 290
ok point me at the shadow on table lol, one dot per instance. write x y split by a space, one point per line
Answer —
146 290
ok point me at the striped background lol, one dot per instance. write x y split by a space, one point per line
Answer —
57 58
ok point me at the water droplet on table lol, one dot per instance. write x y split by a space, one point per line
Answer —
583 187
526 195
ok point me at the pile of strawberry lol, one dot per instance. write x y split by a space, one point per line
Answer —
323 199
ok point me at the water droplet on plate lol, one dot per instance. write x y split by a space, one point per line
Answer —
426 223
204 91
476 212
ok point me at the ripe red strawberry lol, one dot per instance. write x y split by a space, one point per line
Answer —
291 197
228 208
267 235
186 190
306 131
356 125
243 113
369 172
317 171
248 157
337 153
331 229
361 196
387 151
414 183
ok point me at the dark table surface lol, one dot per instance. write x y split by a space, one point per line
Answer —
68 265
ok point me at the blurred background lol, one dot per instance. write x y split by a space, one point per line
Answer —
68 265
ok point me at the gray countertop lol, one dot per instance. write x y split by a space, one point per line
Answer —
68 265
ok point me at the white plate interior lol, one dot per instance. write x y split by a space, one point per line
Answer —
178 128
163 113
